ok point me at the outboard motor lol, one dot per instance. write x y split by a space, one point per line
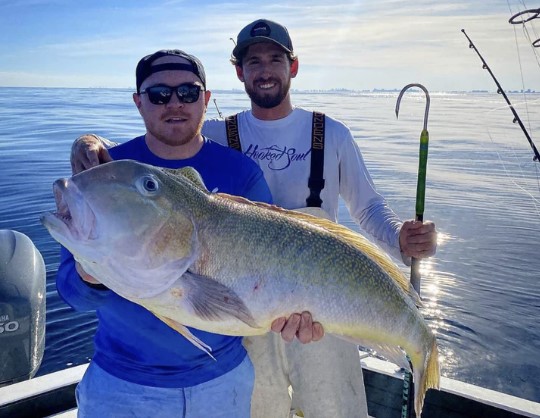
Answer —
22 307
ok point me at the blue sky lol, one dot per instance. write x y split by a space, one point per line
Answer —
360 44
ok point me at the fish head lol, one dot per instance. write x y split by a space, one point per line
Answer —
121 223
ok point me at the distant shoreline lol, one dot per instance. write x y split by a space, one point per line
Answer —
298 91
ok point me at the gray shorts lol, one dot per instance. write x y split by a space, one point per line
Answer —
101 395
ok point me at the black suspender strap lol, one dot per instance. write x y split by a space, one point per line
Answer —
233 139
316 180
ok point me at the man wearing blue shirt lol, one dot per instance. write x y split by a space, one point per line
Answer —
141 367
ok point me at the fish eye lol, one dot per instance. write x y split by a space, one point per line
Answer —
148 185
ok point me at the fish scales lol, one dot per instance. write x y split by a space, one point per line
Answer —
226 265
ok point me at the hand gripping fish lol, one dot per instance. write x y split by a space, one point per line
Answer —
226 265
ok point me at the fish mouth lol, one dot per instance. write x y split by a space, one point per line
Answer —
74 219
62 207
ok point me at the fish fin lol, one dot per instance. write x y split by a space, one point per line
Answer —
186 333
394 354
425 369
314 211
189 173
213 301
355 239
391 353
426 378
240 199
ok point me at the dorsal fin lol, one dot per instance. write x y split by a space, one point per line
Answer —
351 237
189 173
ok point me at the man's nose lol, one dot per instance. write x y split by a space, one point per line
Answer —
175 101
265 70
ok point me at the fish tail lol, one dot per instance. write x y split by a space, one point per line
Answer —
426 378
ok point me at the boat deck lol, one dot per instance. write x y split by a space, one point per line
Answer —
53 395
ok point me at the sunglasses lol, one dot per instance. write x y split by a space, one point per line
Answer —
160 94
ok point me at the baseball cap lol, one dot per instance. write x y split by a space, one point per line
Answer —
145 67
262 30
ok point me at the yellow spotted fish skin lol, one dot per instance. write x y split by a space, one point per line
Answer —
226 265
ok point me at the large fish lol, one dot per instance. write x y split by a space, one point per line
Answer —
227 265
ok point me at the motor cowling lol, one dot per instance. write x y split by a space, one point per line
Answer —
22 307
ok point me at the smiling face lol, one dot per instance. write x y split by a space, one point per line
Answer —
267 72
173 129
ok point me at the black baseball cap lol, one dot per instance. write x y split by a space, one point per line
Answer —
145 67
262 30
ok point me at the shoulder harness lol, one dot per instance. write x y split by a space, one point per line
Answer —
316 178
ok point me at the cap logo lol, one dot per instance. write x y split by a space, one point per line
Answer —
260 29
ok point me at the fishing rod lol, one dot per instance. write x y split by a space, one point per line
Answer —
217 108
501 91
215 102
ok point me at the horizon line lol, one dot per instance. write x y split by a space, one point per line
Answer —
331 90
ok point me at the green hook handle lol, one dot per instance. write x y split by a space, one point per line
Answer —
422 170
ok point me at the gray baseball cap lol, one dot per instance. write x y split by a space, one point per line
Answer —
262 30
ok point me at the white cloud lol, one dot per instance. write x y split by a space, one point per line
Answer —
355 44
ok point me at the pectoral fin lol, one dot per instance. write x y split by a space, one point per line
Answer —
187 334
213 301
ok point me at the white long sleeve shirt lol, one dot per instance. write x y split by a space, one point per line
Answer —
282 149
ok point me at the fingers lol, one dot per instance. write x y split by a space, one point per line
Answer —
84 275
86 152
309 330
291 327
305 329
418 239
278 324
81 159
300 326
104 156
318 331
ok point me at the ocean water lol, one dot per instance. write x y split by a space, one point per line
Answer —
481 291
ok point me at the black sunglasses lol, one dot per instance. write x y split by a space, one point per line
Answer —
161 94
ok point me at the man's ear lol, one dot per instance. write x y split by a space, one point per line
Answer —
207 95
239 73
137 100
294 68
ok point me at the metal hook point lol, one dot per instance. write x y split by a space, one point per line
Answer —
402 92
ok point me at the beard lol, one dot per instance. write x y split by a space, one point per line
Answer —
182 137
268 100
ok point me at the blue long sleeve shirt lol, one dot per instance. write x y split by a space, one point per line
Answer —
130 342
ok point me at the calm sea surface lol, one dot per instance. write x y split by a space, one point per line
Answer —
481 290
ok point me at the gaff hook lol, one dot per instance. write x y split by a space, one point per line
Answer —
402 92
422 169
